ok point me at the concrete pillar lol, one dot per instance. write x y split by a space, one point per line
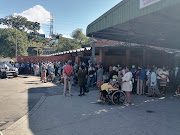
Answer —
93 52
148 57
144 57
101 55
128 55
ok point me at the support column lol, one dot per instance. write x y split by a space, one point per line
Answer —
148 57
144 57
93 52
128 55
101 55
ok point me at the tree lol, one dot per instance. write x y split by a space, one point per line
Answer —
65 44
78 35
20 23
8 42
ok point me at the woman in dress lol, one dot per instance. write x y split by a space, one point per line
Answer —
127 84
99 76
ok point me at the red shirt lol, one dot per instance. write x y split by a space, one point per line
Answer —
68 70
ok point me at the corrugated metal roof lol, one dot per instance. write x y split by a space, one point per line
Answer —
167 50
71 51
125 11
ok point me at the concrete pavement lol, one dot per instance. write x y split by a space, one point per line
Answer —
58 115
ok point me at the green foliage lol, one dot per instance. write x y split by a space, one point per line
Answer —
56 36
78 35
65 44
8 42
20 23
27 35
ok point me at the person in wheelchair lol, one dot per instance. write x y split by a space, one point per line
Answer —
52 75
106 87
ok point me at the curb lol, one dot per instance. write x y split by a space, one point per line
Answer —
18 122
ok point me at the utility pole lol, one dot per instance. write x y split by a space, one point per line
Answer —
16 43
51 25
37 51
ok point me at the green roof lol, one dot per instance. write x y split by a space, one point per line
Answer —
122 22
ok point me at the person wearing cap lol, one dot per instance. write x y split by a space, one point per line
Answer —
127 84
68 71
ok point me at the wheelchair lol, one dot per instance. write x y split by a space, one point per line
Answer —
113 96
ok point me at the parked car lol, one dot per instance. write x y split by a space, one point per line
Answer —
10 71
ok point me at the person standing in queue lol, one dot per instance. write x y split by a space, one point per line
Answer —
82 80
43 73
127 84
68 71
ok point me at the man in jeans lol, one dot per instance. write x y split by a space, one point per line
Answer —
68 70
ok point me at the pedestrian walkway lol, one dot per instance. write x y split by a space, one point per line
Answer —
58 115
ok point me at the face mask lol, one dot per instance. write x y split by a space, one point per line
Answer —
114 80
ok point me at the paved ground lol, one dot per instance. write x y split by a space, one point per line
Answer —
16 98
58 115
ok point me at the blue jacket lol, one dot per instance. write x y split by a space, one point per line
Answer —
142 75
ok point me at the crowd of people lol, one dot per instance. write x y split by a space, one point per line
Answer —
140 80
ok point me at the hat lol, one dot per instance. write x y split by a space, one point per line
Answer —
115 77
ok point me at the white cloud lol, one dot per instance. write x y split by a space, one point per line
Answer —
3 26
36 14
66 36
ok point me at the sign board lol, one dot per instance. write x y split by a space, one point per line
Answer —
146 3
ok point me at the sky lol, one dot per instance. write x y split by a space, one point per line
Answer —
68 15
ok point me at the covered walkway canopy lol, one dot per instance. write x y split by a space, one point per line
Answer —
150 22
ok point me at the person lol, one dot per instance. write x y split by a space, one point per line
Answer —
113 84
52 75
34 68
28 68
82 80
43 72
59 68
113 72
163 79
68 71
22 68
148 81
153 85
91 72
127 84
141 82
133 71
99 76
